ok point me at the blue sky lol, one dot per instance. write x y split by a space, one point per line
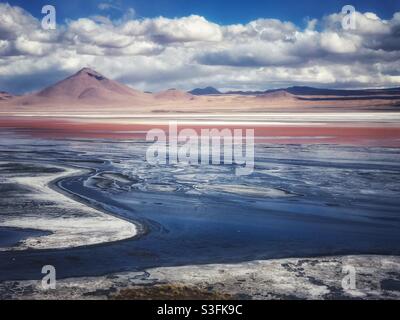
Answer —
219 11
184 44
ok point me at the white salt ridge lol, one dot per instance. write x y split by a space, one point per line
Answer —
79 225
245 190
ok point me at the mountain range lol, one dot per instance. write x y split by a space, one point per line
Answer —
304 91
89 91
204 91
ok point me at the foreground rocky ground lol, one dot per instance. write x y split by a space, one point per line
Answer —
376 277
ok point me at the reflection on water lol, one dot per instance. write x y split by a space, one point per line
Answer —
300 201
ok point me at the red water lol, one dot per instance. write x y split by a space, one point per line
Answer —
364 134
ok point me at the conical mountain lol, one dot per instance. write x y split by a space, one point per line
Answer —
88 84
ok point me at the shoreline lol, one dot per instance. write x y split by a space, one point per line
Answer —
56 186
71 223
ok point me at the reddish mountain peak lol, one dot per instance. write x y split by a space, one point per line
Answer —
88 84
91 73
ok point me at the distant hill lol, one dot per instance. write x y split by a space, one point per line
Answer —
204 91
5 95
278 94
311 91
173 94
249 93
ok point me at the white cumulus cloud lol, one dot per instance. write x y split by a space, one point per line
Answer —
186 52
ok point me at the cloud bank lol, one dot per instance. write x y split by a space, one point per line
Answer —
157 53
